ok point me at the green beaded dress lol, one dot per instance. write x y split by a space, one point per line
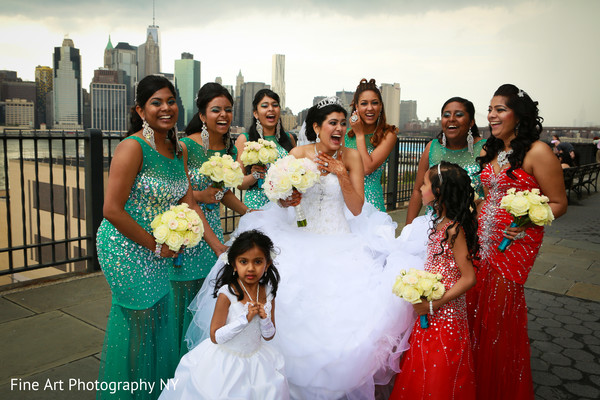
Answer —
373 188
197 261
139 345
461 157
255 196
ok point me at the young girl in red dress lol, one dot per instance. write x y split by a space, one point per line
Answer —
439 362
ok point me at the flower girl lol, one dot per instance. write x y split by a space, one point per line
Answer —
235 362
439 362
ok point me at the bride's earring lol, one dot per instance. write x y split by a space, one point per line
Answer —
318 139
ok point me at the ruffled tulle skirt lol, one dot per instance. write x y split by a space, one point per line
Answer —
340 328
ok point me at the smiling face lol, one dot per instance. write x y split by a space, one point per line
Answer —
160 111
267 112
332 131
456 122
251 266
369 107
218 117
502 119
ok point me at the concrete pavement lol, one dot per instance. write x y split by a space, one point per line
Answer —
52 334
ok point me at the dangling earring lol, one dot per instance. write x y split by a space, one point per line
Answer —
204 136
318 139
443 139
259 129
278 131
178 148
148 133
227 139
470 141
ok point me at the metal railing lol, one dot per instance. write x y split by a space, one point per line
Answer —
52 186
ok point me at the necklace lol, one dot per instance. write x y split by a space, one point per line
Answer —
503 157
250 297
334 154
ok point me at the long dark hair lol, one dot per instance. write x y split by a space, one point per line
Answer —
528 129
145 89
318 115
469 107
454 196
244 242
379 134
206 94
253 136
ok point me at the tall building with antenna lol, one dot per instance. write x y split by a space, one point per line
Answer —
278 77
149 52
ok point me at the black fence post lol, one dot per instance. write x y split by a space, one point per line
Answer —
392 178
94 191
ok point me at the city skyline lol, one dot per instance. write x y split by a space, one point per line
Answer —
434 51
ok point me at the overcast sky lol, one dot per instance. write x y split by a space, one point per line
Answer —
433 49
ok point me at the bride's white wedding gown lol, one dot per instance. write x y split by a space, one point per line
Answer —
339 327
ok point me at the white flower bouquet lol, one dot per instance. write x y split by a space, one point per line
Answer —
288 174
179 226
224 172
415 285
262 152
525 207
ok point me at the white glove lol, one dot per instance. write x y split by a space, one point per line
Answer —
227 332
267 329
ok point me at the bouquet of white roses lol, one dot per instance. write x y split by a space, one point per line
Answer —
179 226
224 172
525 207
262 152
289 173
415 285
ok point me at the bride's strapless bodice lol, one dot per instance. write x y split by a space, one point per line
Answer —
248 341
324 206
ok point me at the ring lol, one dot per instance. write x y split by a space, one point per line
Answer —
354 118
326 164
324 171
256 175
219 195
520 235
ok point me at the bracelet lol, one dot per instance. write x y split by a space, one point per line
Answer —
157 249
431 307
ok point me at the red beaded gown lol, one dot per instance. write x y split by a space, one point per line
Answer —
496 305
439 362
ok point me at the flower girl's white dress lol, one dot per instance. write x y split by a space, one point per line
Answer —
339 327
246 367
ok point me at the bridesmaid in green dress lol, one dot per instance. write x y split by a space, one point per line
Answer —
372 136
459 142
147 176
207 135
266 124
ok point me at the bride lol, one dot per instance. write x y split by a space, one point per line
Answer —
339 327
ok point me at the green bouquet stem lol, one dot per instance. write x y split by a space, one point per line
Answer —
300 217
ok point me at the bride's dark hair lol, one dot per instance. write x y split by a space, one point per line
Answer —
454 196
244 242
528 129
318 115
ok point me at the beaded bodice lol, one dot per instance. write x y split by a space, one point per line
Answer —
324 206
248 341
161 182
461 157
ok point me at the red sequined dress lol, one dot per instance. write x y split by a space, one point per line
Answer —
439 362
497 309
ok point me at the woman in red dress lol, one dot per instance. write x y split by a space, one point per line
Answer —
513 157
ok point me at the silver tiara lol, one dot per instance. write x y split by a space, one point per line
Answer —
327 101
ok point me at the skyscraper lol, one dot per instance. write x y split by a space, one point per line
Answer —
123 57
68 113
187 84
149 52
391 100
108 101
249 89
408 112
238 118
278 77
43 86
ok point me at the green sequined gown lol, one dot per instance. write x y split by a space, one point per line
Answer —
197 261
139 344
255 197
373 187
461 157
